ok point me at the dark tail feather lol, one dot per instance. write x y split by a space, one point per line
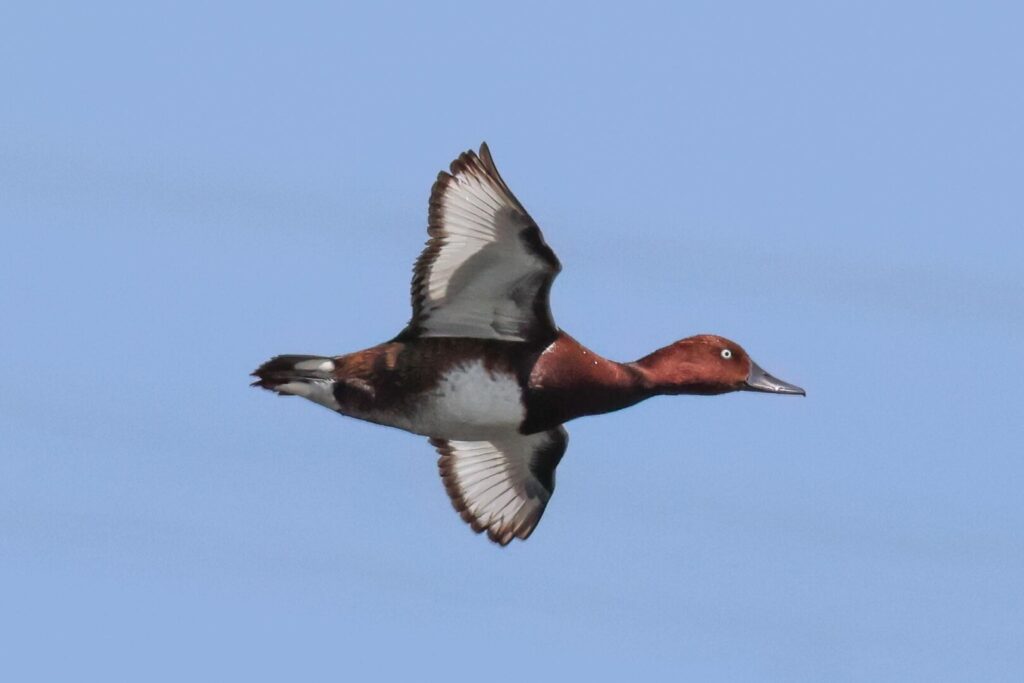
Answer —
285 374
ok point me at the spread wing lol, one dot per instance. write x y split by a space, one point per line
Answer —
502 486
486 270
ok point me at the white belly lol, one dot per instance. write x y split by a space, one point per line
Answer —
469 403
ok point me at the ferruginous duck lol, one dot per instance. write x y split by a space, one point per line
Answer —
482 369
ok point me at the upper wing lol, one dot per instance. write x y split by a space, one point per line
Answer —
486 270
502 486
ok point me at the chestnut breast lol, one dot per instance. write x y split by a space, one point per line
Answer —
568 380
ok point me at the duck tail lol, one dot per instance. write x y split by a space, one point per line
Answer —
295 375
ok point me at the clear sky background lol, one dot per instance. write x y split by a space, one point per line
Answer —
186 190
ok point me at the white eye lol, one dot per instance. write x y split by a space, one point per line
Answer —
726 354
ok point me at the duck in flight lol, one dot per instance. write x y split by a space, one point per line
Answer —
483 370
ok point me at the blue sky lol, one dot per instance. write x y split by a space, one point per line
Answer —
187 190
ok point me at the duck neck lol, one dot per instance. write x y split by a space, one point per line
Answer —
667 372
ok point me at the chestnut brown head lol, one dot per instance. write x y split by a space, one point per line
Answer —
709 364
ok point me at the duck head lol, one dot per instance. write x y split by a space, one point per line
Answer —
708 364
